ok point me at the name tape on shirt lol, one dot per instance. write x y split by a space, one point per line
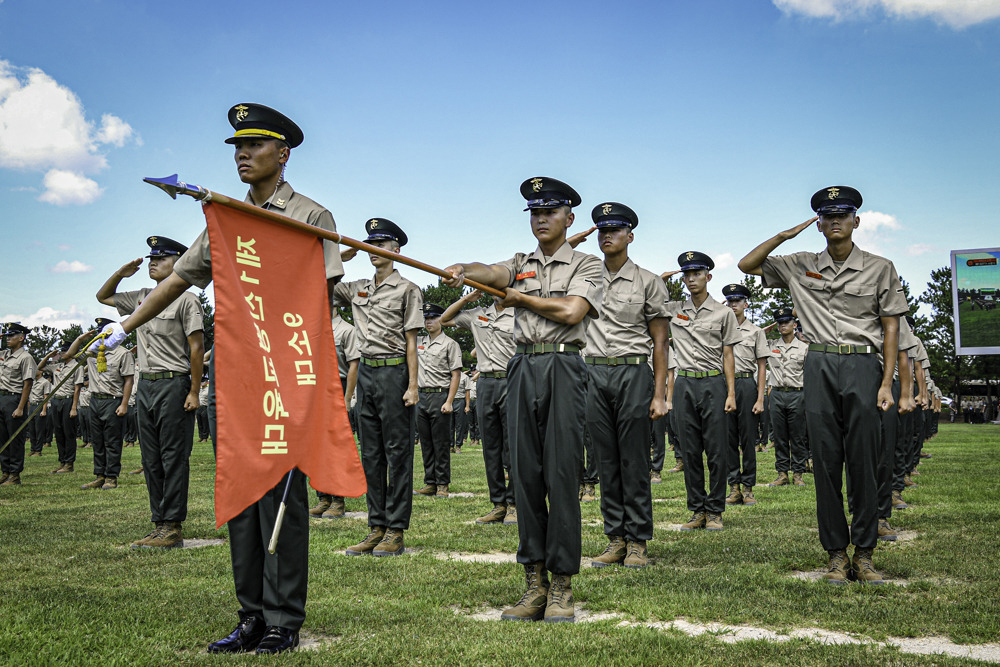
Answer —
810 274
683 317
484 319
776 351
526 274
362 294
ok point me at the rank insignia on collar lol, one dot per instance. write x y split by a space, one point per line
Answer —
606 209
536 184
832 193
241 113
279 202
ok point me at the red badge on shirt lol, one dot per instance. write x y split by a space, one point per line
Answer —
776 351
362 294
526 274
420 347
810 274
484 319
683 317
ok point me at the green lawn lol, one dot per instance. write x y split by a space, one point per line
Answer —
74 593
979 327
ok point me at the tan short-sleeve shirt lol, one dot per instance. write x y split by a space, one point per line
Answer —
60 369
839 306
493 332
787 362
752 346
163 344
39 390
632 298
345 339
111 382
15 368
565 273
699 333
382 313
436 359
195 265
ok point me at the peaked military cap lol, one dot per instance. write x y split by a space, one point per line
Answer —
15 328
836 199
543 192
783 315
103 322
433 310
257 120
736 291
612 214
694 260
382 229
161 246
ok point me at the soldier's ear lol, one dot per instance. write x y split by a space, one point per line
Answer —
857 221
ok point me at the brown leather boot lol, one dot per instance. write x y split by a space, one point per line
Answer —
13 479
735 496
157 527
797 479
391 544
713 521
4 477
696 521
863 567
337 508
655 477
782 480
96 484
168 537
637 557
531 606
65 467
110 483
908 482
613 554
442 491
679 467
427 490
897 501
321 506
495 515
511 518
839 567
589 493
367 545
885 531
137 471
748 498
559 606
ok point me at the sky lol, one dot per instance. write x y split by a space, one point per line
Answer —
715 121
983 272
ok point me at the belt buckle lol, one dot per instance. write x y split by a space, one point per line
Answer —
843 349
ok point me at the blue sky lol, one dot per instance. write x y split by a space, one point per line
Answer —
714 120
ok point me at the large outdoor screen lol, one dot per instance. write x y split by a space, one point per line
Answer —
975 293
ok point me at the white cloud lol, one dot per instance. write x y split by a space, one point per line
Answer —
956 13
60 319
43 127
876 231
723 261
67 187
76 266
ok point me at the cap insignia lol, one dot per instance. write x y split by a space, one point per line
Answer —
689 256
832 193
374 223
154 240
536 184
241 113
606 209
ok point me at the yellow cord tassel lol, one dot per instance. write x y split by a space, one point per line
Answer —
102 360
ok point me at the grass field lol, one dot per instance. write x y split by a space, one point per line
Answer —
979 327
72 592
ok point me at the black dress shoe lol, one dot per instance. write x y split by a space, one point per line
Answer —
243 639
277 640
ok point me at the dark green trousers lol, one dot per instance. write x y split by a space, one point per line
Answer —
788 430
700 404
434 429
166 434
386 430
459 423
64 428
12 458
546 416
491 399
618 400
106 430
845 426
658 449
743 435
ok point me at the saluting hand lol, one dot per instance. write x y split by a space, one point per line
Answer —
473 296
348 253
577 239
797 229
667 274
131 268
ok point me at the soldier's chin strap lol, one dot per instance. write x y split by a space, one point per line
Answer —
81 359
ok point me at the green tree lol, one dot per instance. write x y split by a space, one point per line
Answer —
42 340
444 296
675 289
938 335
208 320
757 304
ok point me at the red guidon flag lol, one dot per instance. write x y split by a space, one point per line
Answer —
280 404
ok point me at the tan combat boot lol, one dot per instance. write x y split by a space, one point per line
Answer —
864 568
367 545
713 521
4 477
137 471
696 521
442 491
13 479
321 506
655 477
65 467
759 448
495 515
908 482
636 558
559 607
96 484
839 568
337 508
511 518
782 480
679 467
897 501
138 544
589 493
613 554
531 606
885 531
427 490
797 479
748 498
168 537
110 483
735 497
391 544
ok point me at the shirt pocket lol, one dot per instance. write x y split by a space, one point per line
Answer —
814 285
532 286
860 300
558 286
